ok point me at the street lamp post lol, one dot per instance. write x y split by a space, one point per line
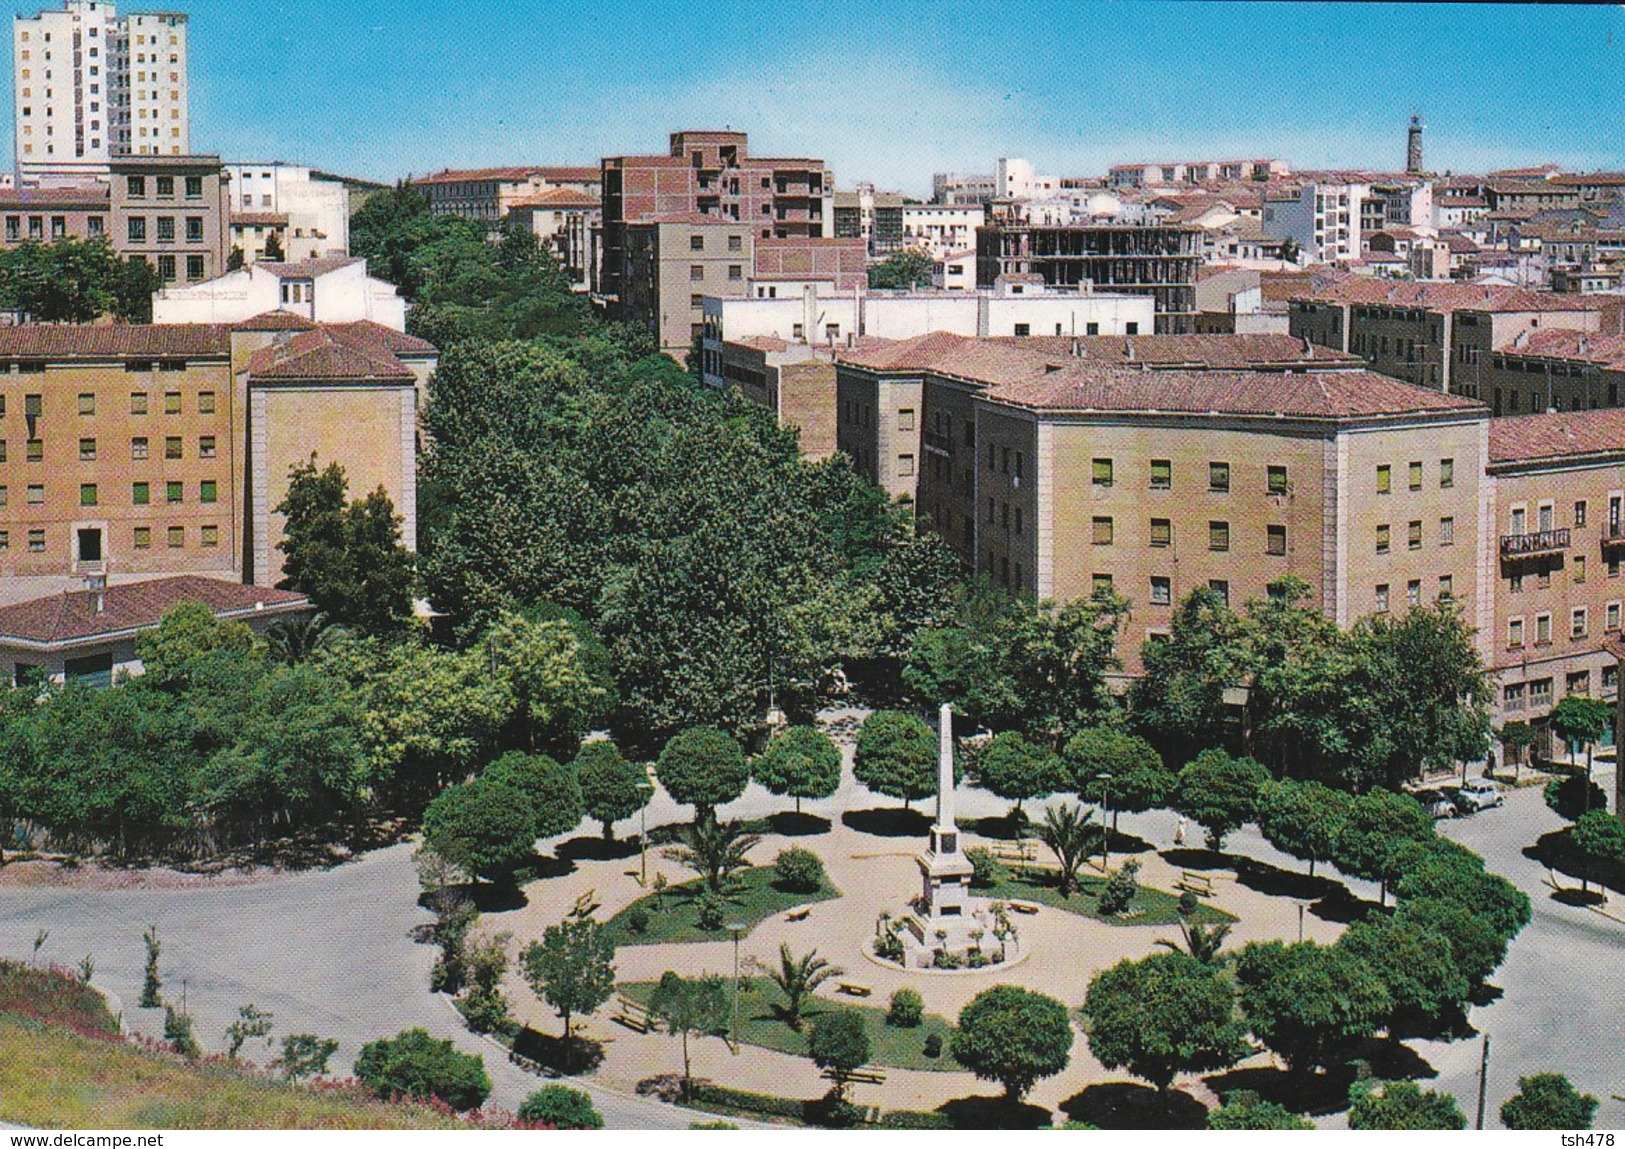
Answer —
647 788
736 929
1105 828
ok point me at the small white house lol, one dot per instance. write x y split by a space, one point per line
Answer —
332 290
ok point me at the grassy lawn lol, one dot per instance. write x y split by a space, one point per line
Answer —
1156 907
759 1025
674 914
53 1079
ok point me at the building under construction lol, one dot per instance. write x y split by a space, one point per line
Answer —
1155 260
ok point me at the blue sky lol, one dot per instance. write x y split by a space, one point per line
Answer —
892 92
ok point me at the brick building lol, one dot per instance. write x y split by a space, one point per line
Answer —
491 193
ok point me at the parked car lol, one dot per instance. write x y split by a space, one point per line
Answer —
1437 803
1478 794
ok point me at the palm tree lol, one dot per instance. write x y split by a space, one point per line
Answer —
715 850
797 978
297 639
1067 831
1202 942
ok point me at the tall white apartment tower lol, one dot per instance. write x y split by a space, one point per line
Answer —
89 85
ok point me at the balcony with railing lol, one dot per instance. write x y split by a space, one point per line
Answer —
1535 544
1613 535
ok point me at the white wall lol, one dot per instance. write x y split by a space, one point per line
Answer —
906 316
344 295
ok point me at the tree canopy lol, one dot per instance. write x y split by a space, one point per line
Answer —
1013 1036
1548 1101
1162 1016
802 762
1309 1003
1220 793
703 768
75 281
896 756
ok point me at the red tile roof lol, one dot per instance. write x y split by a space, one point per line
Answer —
1443 297
326 355
511 175
94 198
1556 343
114 341
1211 352
259 219
309 268
73 617
560 197
1334 395
1557 435
364 332
274 321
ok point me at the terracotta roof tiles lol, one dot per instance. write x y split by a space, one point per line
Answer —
114 341
73 617
1556 435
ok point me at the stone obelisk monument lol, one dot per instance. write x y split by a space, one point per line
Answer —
944 869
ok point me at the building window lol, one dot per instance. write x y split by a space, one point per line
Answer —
905 418
1382 538
140 494
1579 568
1218 536
35 450
143 538
1580 513
87 451
1218 476
735 243
1382 598
194 187
165 187
1162 593
205 447
207 491
136 186
1543 629
1578 682
166 268
696 243
1221 589
1276 482
138 447
174 492
87 404
1413 534
1579 622
208 536
1512 696
1023 329
1540 692
1415 476
1515 634
138 401
172 402
696 272
1102 531
1447 588
1275 540
905 465
1100 584
36 494
36 541
136 229
172 447
1611 618
1162 474
1162 532
177 537
1102 472
194 267
1447 531
736 272
166 229
1385 478
87 494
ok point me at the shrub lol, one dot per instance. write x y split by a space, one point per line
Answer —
713 910
178 1032
1120 890
933 1045
976 959
889 947
907 1009
798 870
486 1011
914 1119
414 1064
834 1112
984 870
707 1093
942 959
712 1125
1572 796
562 1108
637 920
1187 904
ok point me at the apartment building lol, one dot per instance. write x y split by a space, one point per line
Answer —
710 174
1325 220
876 217
307 211
963 189
1156 260
1438 335
941 229
564 219
133 451
879 386
90 85
1557 485
1554 370
334 290
1193 172
491 193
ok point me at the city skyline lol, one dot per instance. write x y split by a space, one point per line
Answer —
1113 82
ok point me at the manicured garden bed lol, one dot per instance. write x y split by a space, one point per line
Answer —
673 914
898 1047
1150 907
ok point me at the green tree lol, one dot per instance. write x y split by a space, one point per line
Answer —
273 248
1303 819
251 1022
896 756
1245 1111
1015 769
1548 1101
798 979
1572 795
1309 1003
304 1055
73 280
1447 872
1579 721
552 791
1377 824
1600 838
910 268
560 1107
572 968
187 635
1475 943
1220 793
483 828
413 1064
1139 779
839 1044
611 787
1162 1016
690 1005
1415 963
1013 1036
1070 835
716 851
151 983
545 665
235 260
1179 700
703 768
347 556
801 762
1204 943
1401 1105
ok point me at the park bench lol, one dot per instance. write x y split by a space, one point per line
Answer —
863 1075
633 1015
1024 907
853 989
798 915
1194 883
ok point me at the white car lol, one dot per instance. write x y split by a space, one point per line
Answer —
1478 794
1437 803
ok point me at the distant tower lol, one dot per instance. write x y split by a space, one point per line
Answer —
1413 147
